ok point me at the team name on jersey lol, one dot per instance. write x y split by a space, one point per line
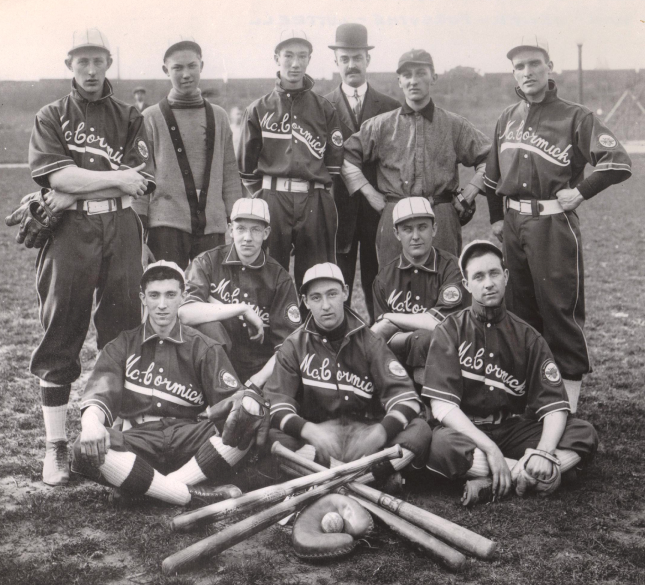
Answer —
284 129
404 305
233 296
529 140
147 378
80 141
324 374
491 371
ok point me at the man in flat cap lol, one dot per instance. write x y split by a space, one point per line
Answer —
355 101
140 103
417 149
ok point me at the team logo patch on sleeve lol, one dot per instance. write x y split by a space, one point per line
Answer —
551 373
396 369
451 295
228 379
607 141
293 314
142 147
337 137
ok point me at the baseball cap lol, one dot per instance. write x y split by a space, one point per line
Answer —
164 264
411 207
89 37
247 208
139 89
415 57
475 246
530 42
180 42
293 35
326 270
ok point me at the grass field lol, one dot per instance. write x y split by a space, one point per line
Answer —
591 531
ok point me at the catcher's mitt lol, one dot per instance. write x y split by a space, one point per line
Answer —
37 220
465 210
525 482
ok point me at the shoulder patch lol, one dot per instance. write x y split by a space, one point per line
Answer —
451 295
142 147
293 314
607 141
396 369
337 137
551 373
228 379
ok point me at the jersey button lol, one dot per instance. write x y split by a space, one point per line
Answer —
158 404
91 160
179 150
346 397
523 184
173 128
324 341
491 388
243 269
243 324
186 172
245 295
491 355
526 156
161 342
487 324
161 370
91 129
416 272
417 297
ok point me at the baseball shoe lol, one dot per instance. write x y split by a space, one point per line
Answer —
56 463
201 495
121 499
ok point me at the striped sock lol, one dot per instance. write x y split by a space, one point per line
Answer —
208 462
480 466
568 459
54 403
133 474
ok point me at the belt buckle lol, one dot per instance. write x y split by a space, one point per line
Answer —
287 184
100 206
525 208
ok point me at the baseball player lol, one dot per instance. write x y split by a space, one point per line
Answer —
492 383
415 292
158 378
92 150
355 101
334 372
246 290
417 149
140 103
197 176
291 146
541 147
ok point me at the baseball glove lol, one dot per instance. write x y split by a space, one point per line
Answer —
465 210
525 482
37 220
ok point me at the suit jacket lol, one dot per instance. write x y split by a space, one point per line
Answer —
374 103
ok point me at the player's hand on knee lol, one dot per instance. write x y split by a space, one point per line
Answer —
131 182
255 321
498 230
502 481
539 468
95 441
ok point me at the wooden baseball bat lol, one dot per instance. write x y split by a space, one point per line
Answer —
456 535
438 550
231 535
275 493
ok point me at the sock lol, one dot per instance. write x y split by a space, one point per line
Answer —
480 464
568 459
133 474
54 403
573 393
209 462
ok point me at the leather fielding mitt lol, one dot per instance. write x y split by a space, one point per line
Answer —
465 210
311 542
37 220
525 482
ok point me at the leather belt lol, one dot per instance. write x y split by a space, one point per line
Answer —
96 206
445 197
139 420
289 185
535 207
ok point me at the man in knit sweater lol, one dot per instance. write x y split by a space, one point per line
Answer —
192 147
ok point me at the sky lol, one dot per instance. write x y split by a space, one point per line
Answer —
238 36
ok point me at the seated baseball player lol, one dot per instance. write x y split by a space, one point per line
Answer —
416 291
492 383
159 378
336 386
240 286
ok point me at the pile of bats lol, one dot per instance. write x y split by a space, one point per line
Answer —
425 530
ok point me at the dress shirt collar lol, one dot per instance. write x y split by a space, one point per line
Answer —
175 335
348 90
232 259
427 112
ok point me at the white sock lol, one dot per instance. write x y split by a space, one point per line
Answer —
480 466
568 459
168 490
55 417
190 473
573 393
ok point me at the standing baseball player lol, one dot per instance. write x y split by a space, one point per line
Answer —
291 146
416 291
541 147
493 385
337 386
158 378
93 151
242 287
355 101
140 103
417 149
197 177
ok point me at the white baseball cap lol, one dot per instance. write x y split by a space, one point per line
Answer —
89 37
326 270
247 208
179 42
165 264
293 35
531 41
472 247
411 207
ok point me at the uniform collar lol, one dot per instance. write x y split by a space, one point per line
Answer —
550 95
427 112
430 265
308 84
232 259
176 335
488 314
354 323
107 92
348 90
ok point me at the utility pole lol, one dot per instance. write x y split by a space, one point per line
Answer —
580 90
118 64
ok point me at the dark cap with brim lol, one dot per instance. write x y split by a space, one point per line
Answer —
415 57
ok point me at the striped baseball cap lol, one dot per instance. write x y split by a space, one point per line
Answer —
89 37
286 36
181 42
411 207
248 208
531 41
326 270
164 264
473 247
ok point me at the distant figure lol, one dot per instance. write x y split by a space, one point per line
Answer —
235 118
140 99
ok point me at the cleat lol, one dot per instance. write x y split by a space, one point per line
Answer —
204 495
56 463
121 499
477 491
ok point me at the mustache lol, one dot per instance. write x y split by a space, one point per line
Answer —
353 71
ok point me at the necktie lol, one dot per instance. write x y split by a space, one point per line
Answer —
357 105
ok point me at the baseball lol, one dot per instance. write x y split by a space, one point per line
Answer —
332 522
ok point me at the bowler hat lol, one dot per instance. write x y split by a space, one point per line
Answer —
351 36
